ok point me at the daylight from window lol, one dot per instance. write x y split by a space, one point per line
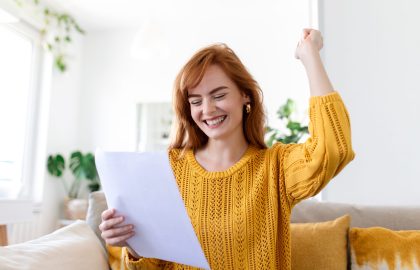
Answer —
16 58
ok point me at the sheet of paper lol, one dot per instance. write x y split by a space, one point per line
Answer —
142 187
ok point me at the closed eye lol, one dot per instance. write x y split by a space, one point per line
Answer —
219 96
195 102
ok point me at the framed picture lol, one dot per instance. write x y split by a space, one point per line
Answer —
154 122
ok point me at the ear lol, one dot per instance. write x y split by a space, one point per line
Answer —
246 98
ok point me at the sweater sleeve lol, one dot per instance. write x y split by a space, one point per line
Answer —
119 259
309 166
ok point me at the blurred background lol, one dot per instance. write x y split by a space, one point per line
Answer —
78 75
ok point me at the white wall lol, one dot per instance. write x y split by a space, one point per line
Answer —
114 80
372 54
63 135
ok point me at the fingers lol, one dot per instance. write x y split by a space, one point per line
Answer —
312 35
119 240
310 31
311 38
109 219
107 214
118 236
108 224
113 231
306 32
116 232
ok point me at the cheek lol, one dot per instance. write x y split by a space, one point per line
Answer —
195 115
235 109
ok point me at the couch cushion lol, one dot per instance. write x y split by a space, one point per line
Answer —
320 245
97 204
72 247
380 248
391 217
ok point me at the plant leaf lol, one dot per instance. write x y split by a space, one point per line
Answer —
95 186
304 130
76 160
56 165
286 110
290 139
59 63
83 166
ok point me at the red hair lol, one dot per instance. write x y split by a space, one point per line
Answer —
185 133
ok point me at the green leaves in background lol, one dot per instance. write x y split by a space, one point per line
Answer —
57 30
286 110
82 166
296 129
60 63
56 165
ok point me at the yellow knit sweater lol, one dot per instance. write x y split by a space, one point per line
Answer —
241 216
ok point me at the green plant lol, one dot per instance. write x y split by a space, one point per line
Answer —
296 129
57 30
82 166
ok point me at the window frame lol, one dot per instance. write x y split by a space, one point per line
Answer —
32 129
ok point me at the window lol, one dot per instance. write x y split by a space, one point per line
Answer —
20 67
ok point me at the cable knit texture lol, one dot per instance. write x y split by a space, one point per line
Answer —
242 215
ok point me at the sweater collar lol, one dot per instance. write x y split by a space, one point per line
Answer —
220 174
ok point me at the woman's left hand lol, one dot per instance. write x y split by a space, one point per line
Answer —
311 42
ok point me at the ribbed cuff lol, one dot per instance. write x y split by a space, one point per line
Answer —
330 97
142 262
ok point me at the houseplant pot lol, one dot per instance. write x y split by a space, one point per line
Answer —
75 208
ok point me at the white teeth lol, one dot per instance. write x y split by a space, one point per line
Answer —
215 121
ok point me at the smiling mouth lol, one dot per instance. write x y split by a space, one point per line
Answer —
215 122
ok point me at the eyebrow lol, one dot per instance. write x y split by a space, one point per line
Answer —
211 92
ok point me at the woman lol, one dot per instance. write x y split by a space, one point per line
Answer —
238 193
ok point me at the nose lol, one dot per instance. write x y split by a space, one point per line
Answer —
208 107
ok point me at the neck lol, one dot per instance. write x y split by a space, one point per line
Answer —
214 147
219 155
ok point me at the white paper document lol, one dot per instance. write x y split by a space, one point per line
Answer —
142 188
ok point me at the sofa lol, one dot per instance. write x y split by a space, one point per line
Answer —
79 245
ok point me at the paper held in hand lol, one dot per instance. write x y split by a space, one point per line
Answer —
142 187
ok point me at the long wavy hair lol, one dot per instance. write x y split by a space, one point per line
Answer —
185 133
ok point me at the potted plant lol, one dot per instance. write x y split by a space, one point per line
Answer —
83 168
296 129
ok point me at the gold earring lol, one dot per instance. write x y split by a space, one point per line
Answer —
248 108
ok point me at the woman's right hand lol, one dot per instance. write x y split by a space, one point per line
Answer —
114 231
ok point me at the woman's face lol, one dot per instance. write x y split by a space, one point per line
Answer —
216 105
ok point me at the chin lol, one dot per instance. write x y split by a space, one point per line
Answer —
216 137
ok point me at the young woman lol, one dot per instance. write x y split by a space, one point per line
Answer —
238 193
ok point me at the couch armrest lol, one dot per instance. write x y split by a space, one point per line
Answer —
97 204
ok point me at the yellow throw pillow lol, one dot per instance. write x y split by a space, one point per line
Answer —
379 248
320 245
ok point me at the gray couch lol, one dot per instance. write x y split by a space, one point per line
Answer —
391 217
79 245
